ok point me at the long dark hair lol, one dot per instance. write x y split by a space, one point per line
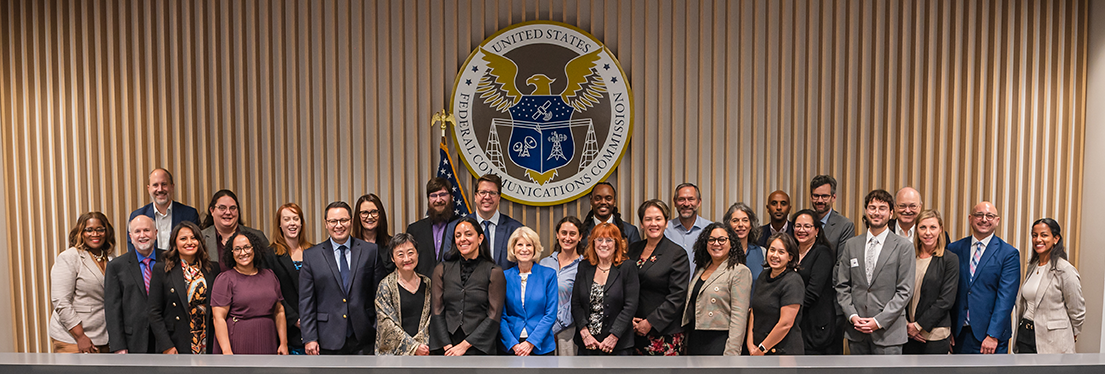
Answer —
172 256
210 220
259 252
702 257
1057 250
485 250
382 236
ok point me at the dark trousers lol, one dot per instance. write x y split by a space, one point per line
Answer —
836 348
965 343
932 347
352 347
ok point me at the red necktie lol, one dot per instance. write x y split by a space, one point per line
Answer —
146 273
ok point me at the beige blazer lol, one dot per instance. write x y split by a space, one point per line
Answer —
77 294
1060 308
722 304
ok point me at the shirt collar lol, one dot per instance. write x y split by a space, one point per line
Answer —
335 244
772 228
904 233
494 218
152 256
985 241
168 211
825 220
598 222
881 238
699 223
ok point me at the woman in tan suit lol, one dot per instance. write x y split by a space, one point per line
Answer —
715 316
1050 304
77 323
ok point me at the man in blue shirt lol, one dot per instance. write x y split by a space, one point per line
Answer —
685 228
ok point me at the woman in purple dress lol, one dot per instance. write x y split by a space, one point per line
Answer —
249 315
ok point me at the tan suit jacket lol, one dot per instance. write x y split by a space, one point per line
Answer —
1060 308
722 304
77 294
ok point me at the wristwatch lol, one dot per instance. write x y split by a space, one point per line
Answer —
761 348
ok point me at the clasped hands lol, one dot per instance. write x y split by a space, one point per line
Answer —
864 325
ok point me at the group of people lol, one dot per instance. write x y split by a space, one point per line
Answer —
483 284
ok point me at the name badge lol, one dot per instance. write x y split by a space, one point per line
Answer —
855 263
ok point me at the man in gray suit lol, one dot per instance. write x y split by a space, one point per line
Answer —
875 276
838 228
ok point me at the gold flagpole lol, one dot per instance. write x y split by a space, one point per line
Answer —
445 118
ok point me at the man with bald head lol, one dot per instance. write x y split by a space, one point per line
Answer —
165 212
989 277
778 212
126 287
907 207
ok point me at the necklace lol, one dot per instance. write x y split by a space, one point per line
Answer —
100 257
603 270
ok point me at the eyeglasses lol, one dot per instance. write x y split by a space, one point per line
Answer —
803 227
718 240
370 213
246 249
604 240
439 195
487 193
817 197
910 206
94 230
339 221
224 208
984 216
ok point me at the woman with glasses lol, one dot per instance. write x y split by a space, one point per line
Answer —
663 270
77 324
715 318
371 222
815 264
605 295
223 221
249 314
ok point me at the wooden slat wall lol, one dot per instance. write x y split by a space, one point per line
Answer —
314 101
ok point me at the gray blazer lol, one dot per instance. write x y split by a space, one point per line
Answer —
1060 308
839 229
77 294
885 298
209 235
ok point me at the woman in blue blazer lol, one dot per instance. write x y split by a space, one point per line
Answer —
526 326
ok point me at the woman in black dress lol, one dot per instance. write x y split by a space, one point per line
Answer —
815 265
663 269
777 301
605 295
467 296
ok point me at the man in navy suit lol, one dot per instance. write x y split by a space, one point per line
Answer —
337 289
165 212
989 277
497 227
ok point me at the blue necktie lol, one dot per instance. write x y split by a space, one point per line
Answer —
343 267
487 234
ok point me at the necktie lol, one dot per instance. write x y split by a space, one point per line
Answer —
487 234
869 258
146 273
974 259
343 267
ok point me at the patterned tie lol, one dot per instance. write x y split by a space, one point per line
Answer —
869 258
974 259
343 267
146 273
487 234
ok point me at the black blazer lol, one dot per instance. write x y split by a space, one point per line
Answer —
818 314
765 233
618 306
126 304
938 291
423 232
629 232
474 307
169 318
663 284
288 276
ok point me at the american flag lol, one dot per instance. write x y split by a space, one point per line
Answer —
446 170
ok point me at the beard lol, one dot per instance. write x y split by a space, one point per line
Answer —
443 215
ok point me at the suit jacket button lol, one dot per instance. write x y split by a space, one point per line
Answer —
342 316
711 314
174 304
713 301
178 318
717 289
172 290
343 300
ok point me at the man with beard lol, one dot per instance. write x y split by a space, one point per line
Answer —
874 282
603 210
429 232
837 227
778 210
126 288
165 212
685 228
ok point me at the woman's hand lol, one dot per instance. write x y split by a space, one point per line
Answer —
609 343
282 349
522 349
459 349
422 350
84 345
641 326
170 351
755 351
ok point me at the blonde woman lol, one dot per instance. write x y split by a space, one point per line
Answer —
531 298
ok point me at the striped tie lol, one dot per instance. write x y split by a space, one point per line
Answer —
146 273
974 259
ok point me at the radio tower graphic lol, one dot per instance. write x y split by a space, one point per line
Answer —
590 148
495 150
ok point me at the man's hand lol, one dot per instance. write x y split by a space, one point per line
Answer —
121 352
311 348
989 345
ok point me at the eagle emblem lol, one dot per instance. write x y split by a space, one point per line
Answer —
542 136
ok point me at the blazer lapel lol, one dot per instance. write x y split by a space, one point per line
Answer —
134 268
724 268
357 250
333 264
177 278
884 254
1045 282
289 266
986 256
611 276
90 264
500 241
658 254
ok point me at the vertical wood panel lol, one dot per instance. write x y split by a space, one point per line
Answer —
313 101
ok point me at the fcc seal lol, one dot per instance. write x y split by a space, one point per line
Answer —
546 107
